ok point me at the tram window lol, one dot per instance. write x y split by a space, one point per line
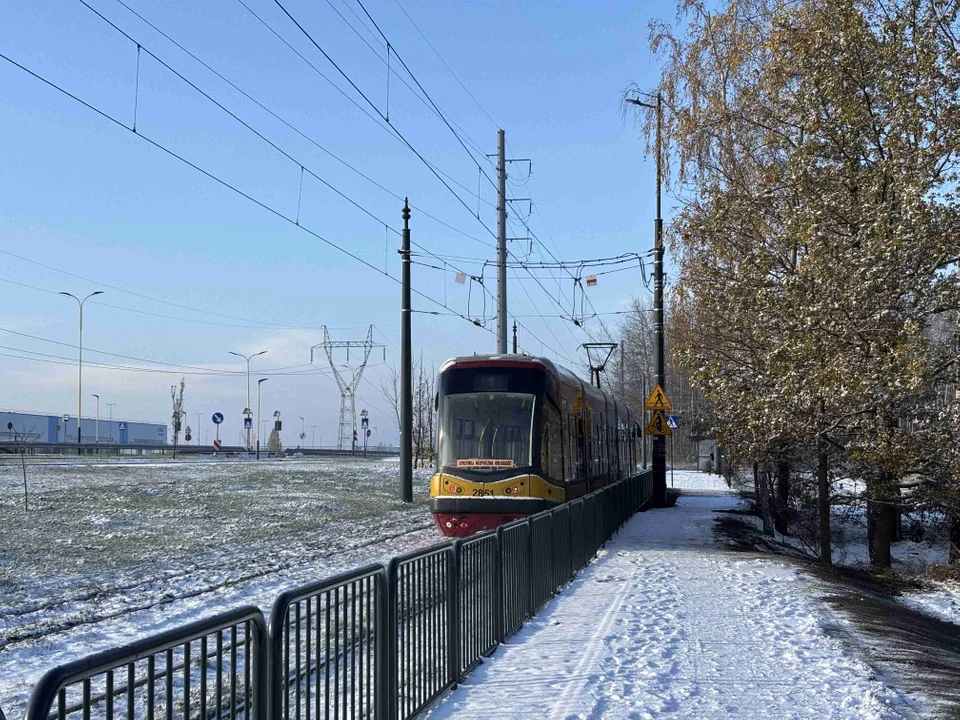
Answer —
574 452
551 447
487 426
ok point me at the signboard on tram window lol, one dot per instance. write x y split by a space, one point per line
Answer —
492 463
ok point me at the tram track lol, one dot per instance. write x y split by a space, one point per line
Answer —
33 632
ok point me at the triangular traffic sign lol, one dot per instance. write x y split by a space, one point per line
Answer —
658 400
658 425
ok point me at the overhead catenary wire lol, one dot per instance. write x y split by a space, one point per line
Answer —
377 110
297 130
240 192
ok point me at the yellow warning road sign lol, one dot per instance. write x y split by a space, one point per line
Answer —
658 425
658 400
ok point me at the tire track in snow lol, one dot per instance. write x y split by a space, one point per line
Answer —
592 654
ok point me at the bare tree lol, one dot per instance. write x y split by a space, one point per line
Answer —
23 440
176 396
390 392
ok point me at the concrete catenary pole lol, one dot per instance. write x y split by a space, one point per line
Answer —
659 441
501 245
406 367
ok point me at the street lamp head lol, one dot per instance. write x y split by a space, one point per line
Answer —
231 352
634 101
262 352
95 395
98 292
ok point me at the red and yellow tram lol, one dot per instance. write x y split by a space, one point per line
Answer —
518 435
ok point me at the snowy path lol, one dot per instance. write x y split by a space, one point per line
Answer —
667 624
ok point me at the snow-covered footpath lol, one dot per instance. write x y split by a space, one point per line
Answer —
667 623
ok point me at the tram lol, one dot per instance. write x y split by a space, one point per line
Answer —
517 435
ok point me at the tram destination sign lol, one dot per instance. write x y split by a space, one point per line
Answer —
485 463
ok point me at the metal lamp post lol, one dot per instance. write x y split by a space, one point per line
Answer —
248 358
313 436
302 433
260 382
659 460
97 441
80 366
110 405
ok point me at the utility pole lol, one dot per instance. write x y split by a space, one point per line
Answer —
348 390
514 337
659 464
623 361
406 362
80 370
313 436
247 409
501 245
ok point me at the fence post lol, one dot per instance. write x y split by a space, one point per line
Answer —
278 617
382 638
453 612
530 573
390 688
502 589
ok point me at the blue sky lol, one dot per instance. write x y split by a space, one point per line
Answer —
81 194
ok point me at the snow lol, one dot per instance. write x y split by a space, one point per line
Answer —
695 480
942 602
113 551
665 623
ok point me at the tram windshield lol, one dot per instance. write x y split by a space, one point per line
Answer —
486 431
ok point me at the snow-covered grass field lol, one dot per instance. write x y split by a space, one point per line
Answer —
112 550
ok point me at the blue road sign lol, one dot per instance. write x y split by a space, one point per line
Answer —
673 421
248 422
217 418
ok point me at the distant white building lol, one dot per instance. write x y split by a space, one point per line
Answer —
38 427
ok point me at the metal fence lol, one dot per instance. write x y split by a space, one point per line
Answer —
376 642
325 646
212 667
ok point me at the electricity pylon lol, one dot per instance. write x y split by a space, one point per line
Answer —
347 433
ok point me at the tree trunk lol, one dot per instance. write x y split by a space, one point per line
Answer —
765 509
881 522
23 465
823 504
780 518
756 487
897 529
954 537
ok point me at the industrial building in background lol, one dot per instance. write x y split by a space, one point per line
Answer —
43 428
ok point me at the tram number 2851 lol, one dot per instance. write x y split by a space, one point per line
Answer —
479 491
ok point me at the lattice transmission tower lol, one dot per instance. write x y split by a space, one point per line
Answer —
347 433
